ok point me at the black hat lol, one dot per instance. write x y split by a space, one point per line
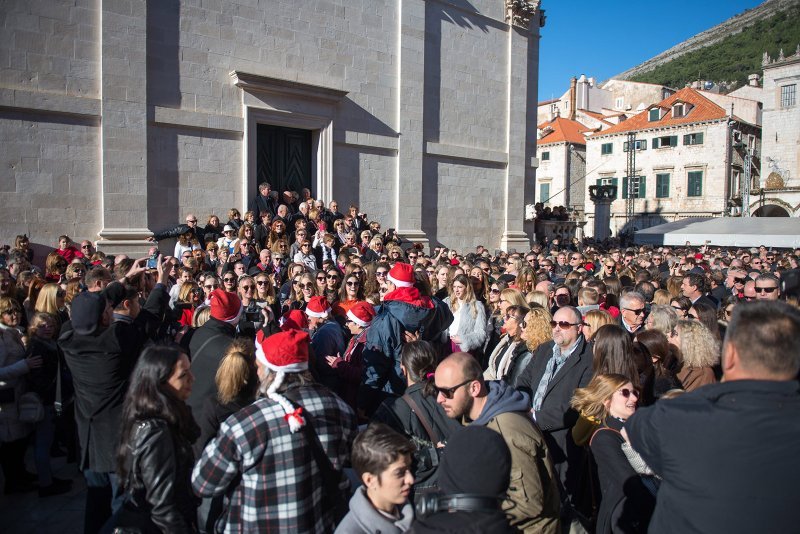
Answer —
475 460
87 309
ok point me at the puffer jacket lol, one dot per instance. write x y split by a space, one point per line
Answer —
159 476
472 325
12 368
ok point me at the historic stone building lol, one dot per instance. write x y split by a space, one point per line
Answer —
119 116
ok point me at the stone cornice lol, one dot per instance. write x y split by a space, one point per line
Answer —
265 84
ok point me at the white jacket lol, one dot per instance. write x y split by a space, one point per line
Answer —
472 325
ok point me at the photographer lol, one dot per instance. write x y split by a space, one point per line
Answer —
473 477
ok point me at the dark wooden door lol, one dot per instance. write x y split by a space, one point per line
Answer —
284 158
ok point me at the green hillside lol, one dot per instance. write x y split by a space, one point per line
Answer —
733 58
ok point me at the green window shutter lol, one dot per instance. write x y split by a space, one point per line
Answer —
662 185
642 187
615 182
625 146
643 144
699 138
695 184
599 181
687 139
655 142
544 192
673 140
624 187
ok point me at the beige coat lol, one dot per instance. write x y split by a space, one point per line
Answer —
533 499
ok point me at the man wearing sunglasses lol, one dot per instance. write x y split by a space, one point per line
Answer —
767 287
557 369
533 499
752 412
633 312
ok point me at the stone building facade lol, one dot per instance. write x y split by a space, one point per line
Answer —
119 116
778 191
689 161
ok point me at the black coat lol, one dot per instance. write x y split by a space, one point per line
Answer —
626 504
262 203
207 348
727 454
159 478
556 417
101 364
397 413
175 231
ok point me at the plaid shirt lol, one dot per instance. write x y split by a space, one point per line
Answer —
280 489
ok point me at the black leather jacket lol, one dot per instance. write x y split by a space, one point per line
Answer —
159 479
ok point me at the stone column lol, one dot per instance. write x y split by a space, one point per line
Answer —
411 89
523 19
602 196
124 127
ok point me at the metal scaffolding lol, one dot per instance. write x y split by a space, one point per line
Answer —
632 191
747 182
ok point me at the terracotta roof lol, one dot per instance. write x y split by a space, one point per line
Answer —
597 116
548 101
564 131
704 110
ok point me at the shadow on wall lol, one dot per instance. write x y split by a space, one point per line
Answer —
643 219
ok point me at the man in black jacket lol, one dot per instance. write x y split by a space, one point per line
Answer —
209 343
558 368
264 202
727 452
190 226
101 354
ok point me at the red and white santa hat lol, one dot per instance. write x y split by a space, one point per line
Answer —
294 320
362 313
401 275
225 306
318 307
285 352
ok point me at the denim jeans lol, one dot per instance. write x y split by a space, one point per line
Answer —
42 440
102 499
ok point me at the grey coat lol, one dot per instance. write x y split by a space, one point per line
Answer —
473 326
363 518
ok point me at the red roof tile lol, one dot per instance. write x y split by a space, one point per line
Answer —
703 110
563 131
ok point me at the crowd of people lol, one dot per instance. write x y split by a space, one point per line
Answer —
299 369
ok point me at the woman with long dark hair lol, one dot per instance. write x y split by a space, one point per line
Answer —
613 353
155 457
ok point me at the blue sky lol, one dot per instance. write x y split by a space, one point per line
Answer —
604 38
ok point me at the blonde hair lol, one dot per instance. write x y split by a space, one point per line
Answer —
537 328
513 296
537 297
185 293
201 315
237 371
661 297
47 300
597 318
699 347
591 400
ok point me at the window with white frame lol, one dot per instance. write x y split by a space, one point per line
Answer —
619 103
788 95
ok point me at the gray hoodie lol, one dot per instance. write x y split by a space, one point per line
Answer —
364 518
502 398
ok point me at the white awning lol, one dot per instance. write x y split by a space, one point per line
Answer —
778 232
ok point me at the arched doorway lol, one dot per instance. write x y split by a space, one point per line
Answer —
771 210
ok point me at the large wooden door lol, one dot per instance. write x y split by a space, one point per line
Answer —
284 158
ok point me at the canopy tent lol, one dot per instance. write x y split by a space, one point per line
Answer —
778 232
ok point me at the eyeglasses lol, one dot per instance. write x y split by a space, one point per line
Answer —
332 277
381 273
448 393
82 246
636 312
295 282
739 280
494 290
244 243
563 324
628 392
352 283
321 278
306 286
261 282
247 288
211 286
229 280
765 289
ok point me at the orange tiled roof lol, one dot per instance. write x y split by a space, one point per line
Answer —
564 131
703 110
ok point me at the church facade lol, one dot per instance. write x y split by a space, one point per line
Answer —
120 116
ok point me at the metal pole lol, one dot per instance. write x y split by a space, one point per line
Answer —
630 171
746 184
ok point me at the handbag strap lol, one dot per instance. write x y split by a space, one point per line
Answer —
434 437
602 428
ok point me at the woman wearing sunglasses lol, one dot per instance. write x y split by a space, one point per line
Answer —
350 293
626 503
511 350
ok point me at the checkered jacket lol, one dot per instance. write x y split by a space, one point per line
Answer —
270 475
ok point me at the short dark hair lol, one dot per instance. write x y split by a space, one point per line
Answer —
697 280
377 447
766 335
97 274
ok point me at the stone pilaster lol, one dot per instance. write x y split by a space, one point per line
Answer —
410 121
124 127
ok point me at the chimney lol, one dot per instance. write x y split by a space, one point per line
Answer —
572 97
753 80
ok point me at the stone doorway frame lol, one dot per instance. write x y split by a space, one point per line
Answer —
289 104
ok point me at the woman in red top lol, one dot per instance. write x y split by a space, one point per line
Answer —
67 249
190 297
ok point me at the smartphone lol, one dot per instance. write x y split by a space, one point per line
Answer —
152 261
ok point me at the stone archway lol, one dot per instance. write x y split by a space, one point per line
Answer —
771 210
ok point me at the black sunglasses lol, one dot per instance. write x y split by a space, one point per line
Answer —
628 392
229 279
636 312
448 393
765 289
563 324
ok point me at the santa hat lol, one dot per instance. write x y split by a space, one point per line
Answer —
401 275
285 352
362 313
294 320
225 306
318 307
698 256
